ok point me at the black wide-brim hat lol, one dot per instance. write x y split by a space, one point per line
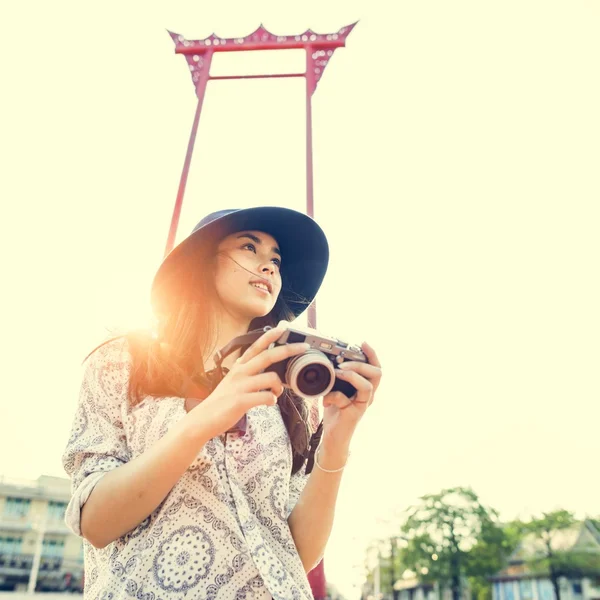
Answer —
303 245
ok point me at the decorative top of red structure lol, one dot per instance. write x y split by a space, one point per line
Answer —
259 39
320 47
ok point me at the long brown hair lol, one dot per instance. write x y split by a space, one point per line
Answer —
163 364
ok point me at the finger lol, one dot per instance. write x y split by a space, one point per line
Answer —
364 387
368 371
258 399
264 381
262 343
371 355
337 399
273 355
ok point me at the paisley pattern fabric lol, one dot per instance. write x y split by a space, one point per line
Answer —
221 532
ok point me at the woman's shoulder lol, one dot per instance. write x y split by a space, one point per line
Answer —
106 373
109 365
116 349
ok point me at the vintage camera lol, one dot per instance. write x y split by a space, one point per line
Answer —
311 374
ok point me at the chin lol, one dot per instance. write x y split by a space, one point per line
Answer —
256 310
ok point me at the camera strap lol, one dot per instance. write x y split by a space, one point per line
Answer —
312 448
238 342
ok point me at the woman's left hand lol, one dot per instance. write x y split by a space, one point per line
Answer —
342 414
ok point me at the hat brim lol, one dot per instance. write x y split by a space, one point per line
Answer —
303 245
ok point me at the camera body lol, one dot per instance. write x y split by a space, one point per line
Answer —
312 374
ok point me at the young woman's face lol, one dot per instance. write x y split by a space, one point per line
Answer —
248 278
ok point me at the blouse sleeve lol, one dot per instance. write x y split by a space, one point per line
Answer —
299 478
97 443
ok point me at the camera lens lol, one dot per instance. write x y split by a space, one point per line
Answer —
313 380
310 375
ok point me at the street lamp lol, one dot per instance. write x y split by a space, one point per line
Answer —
396 541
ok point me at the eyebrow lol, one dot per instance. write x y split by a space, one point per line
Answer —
257 240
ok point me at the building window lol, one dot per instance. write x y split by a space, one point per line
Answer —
56 510
525 589
577 588
16 508
10 545
53 548
497 592
509 590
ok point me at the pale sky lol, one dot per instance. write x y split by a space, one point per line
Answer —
457 152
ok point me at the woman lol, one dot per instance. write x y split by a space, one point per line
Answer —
190 481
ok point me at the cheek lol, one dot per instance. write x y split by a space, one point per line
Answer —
247 262
277 285
227 274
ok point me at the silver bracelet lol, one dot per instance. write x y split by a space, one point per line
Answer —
328 470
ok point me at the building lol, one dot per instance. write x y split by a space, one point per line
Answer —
411 588
33 533
518 582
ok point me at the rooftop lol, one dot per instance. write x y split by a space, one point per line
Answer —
44 487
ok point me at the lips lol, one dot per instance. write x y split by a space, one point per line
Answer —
262 284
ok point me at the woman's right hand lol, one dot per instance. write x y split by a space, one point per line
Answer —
246 385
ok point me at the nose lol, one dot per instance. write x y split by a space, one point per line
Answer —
268 268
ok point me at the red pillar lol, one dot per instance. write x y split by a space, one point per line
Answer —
316 578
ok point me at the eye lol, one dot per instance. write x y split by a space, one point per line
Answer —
250 246
277 262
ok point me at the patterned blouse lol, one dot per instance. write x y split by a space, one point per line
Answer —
221 532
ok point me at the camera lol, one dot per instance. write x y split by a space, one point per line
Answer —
311 374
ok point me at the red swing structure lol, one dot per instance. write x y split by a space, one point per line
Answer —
319 48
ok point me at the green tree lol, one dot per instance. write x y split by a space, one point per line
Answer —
451 535
553 560
489 555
